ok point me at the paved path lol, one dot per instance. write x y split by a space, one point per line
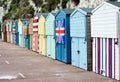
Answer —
22 65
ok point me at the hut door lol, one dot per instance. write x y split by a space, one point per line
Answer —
75 52
52 46
83 53
60 40
48 40
42 44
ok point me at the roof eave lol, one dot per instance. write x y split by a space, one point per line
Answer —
78 9
103 4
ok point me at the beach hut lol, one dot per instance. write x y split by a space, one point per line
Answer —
8 30
13 31
25 35
35 33
20 27
4 32
42 34
16 33
31 33
62 32
50 35
11 34
80 33
105 31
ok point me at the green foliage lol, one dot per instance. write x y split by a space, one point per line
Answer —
44 9
76 2
26 10
64 3
21 7
15 1
38 2
51 5
18 8
6 16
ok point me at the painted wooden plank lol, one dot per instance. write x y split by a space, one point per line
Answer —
31 41
50 52
58 52
35 34
50 39
99 27
94 54
50 24
35 42
106 59
80 29
103 56
48 46
41 25
42 44
75 51
117 64
42 35
62 32
83 53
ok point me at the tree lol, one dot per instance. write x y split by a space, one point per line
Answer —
38 3
64 2
76 2
18 8
7 16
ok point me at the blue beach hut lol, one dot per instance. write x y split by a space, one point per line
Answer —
81 45
16 33
62 33
50 35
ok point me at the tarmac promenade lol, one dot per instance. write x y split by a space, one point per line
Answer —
22 65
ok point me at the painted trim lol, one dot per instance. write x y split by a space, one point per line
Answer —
50 14
114 60
111 58
94 10
80 10
59 11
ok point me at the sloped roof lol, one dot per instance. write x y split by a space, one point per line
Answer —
85 11
88 10
114 3
24 19
38 14
53 14
44 14
68 11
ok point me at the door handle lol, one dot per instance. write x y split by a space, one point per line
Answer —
78 51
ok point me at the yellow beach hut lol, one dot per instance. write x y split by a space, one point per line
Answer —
41 33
